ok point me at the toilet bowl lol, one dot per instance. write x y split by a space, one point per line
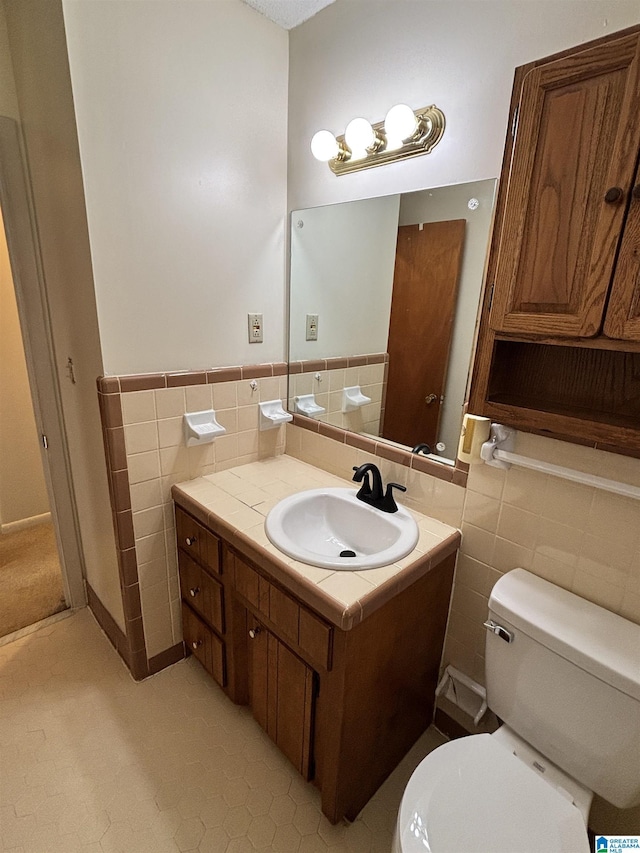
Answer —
474 796
563 675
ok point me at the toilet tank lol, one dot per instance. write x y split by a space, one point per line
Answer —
568 682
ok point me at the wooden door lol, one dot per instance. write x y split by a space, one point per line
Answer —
577 140
425 289
623 312
281 695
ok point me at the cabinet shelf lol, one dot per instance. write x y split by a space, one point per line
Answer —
588 385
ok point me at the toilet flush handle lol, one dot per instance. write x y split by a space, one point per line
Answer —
505 635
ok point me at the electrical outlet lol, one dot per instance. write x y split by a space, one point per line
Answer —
255 328
312 327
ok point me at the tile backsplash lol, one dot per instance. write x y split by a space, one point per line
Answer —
580 538
326 380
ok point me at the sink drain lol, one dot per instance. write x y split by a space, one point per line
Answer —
347 553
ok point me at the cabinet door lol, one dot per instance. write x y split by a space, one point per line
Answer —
576 144
281 696
623 313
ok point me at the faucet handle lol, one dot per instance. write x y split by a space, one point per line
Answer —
395 486
389 501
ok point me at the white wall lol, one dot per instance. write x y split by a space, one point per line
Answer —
348 61
182 112
342 262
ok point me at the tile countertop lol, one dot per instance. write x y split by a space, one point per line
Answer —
234 503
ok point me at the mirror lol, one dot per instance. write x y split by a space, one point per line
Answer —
384 299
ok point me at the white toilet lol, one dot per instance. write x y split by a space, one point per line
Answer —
564 677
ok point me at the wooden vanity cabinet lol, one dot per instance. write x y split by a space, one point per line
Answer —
344 706
559 340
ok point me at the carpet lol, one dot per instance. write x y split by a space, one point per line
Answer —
30 579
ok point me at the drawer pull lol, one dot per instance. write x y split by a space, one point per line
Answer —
196 644
253 632
190 540
613 195
195 590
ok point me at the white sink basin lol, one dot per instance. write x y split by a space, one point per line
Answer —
320 525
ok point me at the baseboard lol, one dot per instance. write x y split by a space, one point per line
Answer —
24 523
166 658
105 620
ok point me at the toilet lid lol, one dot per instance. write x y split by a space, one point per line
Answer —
473 795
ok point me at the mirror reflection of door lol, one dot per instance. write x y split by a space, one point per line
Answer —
425 289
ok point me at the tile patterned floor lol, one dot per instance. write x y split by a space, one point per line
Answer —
91 761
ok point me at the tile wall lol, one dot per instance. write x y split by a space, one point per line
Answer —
327 378
147 455
580 538
585 540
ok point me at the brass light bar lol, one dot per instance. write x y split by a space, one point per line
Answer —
430 127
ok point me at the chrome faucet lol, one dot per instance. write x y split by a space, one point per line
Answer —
374 495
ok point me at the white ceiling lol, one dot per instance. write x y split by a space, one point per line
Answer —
288 13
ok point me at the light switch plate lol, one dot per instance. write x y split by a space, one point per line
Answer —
312 327
255 328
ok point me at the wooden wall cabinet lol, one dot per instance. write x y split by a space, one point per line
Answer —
559 340
343 706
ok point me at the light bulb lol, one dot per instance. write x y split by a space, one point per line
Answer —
359 136
324 146
399 125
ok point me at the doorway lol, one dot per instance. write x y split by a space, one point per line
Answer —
35 477
30 574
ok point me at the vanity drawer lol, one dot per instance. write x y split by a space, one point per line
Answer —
190 534
197 541
295 623
204 645
203 592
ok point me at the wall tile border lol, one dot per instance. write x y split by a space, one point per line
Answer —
312 365
130 644
457 475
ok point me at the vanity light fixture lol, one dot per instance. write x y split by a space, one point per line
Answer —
404 133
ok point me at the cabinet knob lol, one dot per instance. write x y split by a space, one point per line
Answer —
613 195
253 632
196 644
190 540
635 192
195 590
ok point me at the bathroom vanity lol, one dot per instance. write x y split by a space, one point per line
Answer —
339 668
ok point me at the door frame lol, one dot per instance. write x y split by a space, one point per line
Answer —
35 323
